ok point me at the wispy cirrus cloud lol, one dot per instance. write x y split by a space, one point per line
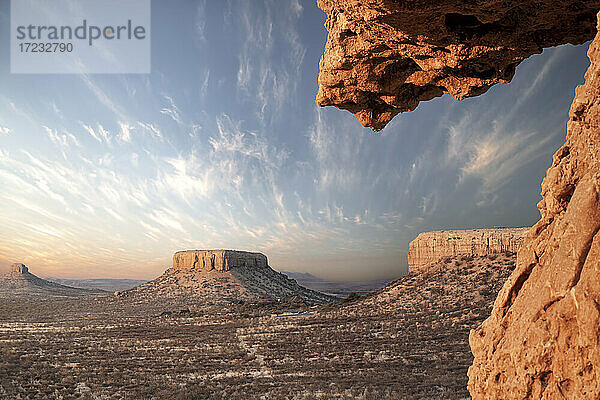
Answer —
172 110
92 132
271 86
103 97
230 151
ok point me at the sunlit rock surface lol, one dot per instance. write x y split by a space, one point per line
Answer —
429 247
220 260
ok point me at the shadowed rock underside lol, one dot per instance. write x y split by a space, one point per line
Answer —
383 57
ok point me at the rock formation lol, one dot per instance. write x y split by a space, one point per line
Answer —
542 339
217 277
383 57
19 268
18 281
429 247
220 260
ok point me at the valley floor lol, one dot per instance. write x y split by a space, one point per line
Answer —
407 341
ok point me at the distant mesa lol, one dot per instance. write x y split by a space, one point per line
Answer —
430 247
218 277
18 281
337 289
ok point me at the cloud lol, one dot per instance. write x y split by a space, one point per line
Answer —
91 131
201 18
172 110
498 156
151 128
57 110
125 135
335 150
100 133
104 133
63 140
4 130
103 97
271 86
43 230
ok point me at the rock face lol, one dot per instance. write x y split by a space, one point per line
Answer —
543 337
383 57
18 281
220 260
19 268
218 277
429 247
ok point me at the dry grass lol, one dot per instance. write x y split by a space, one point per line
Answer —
408 341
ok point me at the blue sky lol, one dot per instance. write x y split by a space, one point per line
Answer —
222 146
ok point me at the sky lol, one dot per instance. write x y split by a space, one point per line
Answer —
222 146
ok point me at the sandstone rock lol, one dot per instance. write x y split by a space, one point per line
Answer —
542 340
383 57
19 268
429 247
220 260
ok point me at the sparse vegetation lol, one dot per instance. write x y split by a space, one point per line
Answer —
407 341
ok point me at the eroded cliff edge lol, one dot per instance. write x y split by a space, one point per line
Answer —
542 340
220 260
429 247
383 57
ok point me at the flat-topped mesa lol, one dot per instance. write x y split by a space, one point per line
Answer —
219 260
429 247
19 268
222 277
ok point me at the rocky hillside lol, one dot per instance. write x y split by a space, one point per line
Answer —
216 277
431 312
109 285
18 281
406 342
429 247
